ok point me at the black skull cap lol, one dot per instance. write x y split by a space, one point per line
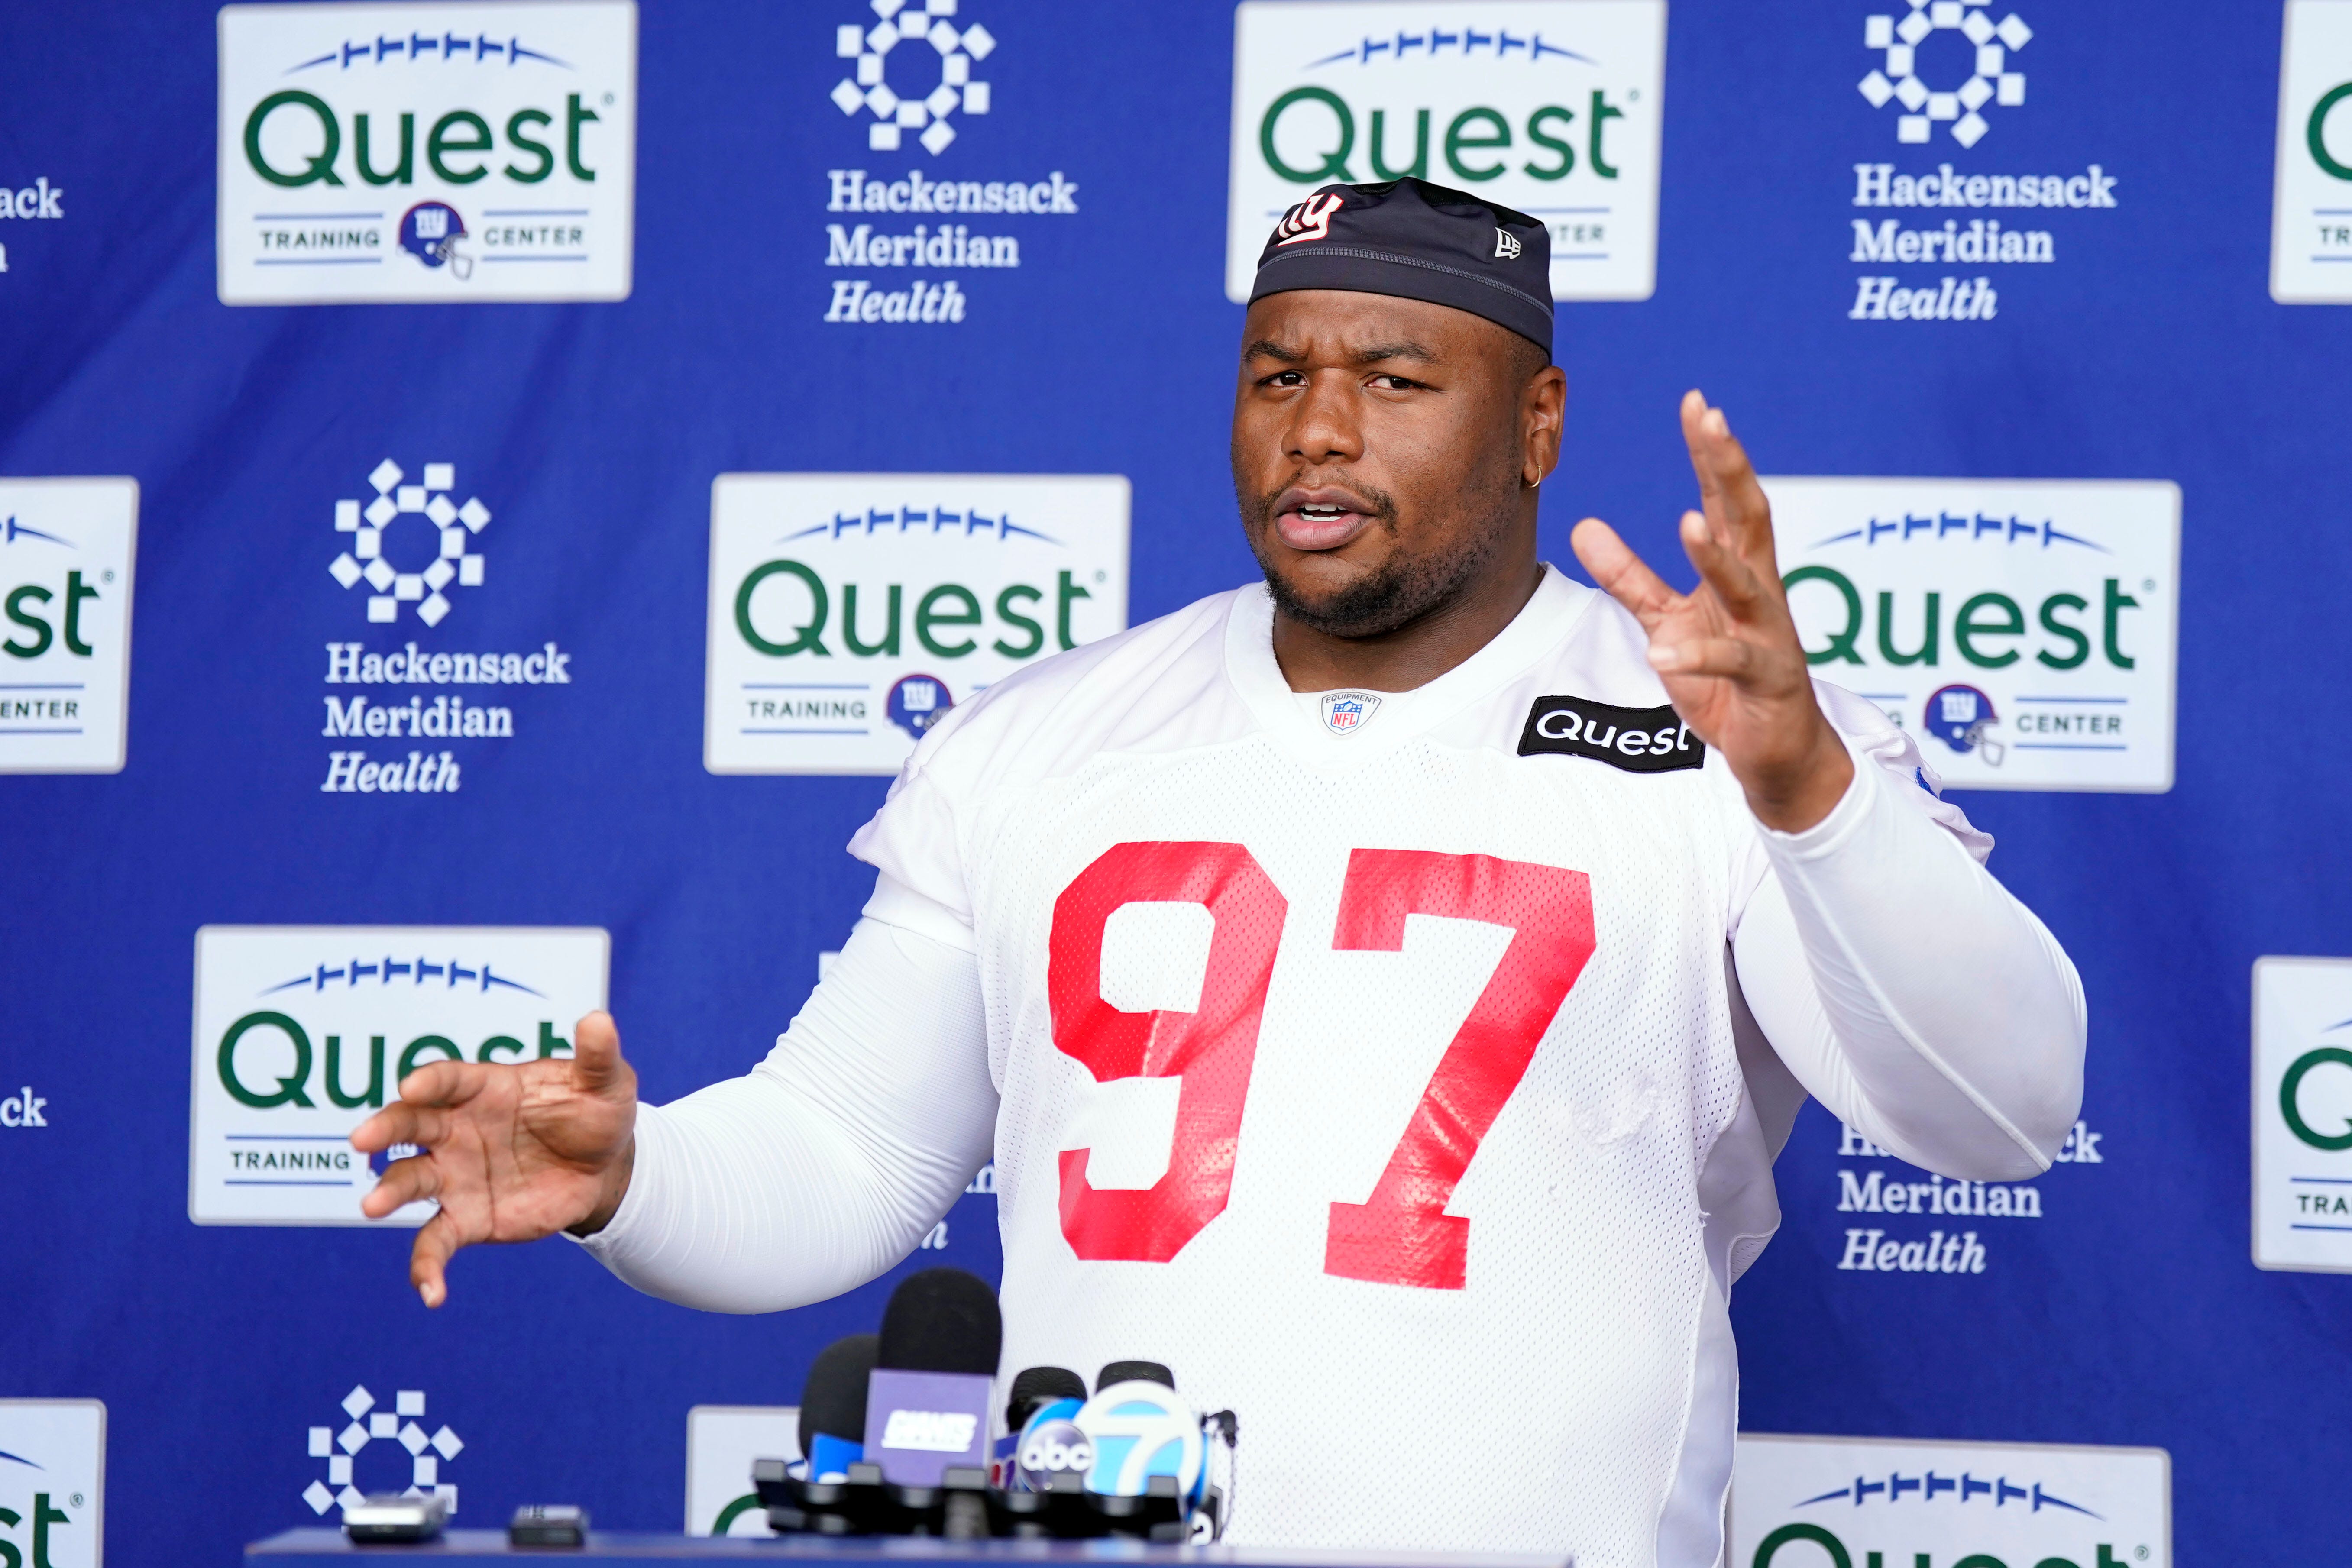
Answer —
1414 240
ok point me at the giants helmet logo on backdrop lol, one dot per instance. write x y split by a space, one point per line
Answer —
1552 107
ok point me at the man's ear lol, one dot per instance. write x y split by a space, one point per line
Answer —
1542 411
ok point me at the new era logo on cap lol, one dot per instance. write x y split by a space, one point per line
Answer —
1507 246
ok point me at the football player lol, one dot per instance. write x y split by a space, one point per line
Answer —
1383 989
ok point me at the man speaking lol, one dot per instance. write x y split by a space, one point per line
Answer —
1382 991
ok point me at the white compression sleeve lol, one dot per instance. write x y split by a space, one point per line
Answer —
827 1163
1909 992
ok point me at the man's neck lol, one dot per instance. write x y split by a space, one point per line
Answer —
1414 653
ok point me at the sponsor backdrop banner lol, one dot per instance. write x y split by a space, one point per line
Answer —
616 431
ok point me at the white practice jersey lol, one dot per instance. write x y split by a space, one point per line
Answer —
1369 1059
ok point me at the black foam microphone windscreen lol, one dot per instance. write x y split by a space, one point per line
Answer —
1040 1385
942 1320
833 1400
1134 1371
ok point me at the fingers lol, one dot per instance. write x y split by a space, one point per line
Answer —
428 1260
421 1114
1730 576
1730 657
1620 572
1733 501
404 1182
427 1126
597 1064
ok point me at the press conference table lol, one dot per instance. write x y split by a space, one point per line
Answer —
298 1548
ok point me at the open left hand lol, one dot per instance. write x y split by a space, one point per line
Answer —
1728 650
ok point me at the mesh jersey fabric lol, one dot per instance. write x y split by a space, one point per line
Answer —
1235 919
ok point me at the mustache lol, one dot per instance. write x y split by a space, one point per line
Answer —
1384 507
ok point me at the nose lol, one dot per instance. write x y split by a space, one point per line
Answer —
1323 424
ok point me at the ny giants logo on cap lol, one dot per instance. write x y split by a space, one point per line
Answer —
1309 219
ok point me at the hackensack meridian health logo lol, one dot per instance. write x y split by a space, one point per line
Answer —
1842 1502
455 560
910 78
2311 214
429 153
1948 64
1991 77
849 612
65 553
52 1483
408 553
934 84
2022 629
304 1032
400 1456
1552 107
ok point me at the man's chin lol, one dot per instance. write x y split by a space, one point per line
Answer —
1323 596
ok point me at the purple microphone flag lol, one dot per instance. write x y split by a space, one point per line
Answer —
918 1424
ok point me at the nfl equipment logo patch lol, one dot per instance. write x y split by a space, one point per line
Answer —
1344 713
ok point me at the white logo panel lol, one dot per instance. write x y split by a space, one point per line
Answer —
1552 107
53 1482
2303 1113
1801 1502
721 1441
428 153
2022 629
2311 214
850 612
66 552
304 1032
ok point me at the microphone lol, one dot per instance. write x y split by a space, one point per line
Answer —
1040 1385
833 1406
1134 1371
1138 1431
1033 1391
930 1394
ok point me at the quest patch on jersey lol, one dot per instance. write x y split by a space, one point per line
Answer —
1638 739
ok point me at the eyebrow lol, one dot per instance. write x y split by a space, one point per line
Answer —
1405 348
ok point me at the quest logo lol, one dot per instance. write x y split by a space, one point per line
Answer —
849 612
1848 1502
2303 1114
1552 107
2024 629
65 553
52 1483
304 1032
2311 212
427 153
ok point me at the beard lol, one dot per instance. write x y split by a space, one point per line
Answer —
1404 589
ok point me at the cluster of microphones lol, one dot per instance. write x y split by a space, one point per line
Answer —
900 1435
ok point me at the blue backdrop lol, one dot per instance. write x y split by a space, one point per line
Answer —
2129 1314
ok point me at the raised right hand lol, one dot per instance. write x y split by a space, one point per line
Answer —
513 1151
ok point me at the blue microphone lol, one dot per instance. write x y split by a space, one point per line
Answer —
832 1407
